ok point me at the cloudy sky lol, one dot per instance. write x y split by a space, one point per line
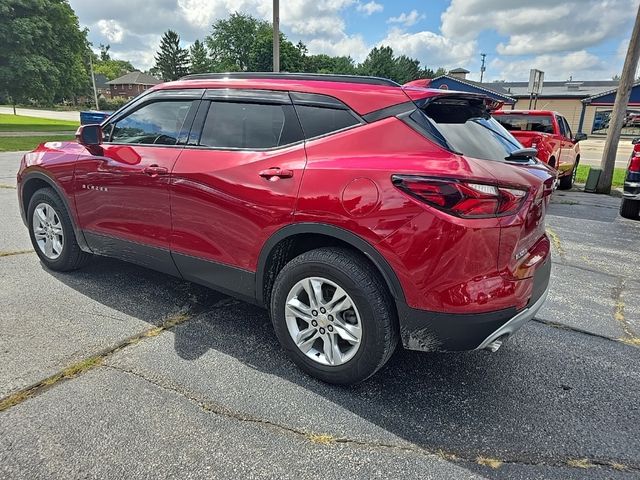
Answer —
584 39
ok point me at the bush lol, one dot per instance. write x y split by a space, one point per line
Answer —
111 103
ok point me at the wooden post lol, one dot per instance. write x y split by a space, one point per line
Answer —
93 81
276 35
619 112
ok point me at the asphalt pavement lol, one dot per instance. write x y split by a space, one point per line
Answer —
153 377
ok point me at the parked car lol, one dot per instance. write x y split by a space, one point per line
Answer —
358 212
550 134
91 117
630 206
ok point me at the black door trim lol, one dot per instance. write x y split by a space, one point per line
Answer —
155 258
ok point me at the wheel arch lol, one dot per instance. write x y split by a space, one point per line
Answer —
36 180
273 255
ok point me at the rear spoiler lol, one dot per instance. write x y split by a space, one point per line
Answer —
423 96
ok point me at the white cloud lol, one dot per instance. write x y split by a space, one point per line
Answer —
407 19
547 26
369 8
579 65
433 50
352 46
111 30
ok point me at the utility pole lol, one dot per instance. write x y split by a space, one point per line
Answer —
93 81
482 68
276 35
619 112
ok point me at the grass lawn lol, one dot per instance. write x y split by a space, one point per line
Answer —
14 144
583 173
20 123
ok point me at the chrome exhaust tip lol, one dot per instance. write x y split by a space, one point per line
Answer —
496 344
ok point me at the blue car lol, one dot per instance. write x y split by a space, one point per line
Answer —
93 117
630 207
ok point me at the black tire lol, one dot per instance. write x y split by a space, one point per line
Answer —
71 257
362 282
630 209
566 182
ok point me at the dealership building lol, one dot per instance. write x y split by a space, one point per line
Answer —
585 104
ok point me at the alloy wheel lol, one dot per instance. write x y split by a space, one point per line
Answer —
323 321
47 230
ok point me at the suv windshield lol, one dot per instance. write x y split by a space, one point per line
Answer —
525 123
465 126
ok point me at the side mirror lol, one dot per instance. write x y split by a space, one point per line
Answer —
635 141
89 135
580 137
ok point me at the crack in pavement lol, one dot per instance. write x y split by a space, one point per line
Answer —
16 252
630 336
326 439
562 326
555 240
88 363
594 270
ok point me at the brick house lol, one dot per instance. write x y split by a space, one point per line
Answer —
131 85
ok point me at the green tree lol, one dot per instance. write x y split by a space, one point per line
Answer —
44 54
104 52
379 63
407 69
198 58
323 63
429 73
108 66
172 61
261 57
231 43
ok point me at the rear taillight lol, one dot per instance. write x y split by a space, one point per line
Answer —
634 162
462 198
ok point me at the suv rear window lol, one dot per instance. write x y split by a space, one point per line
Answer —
526 123
464 125
317 121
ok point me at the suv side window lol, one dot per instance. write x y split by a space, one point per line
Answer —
561 126
157 123
317 121
236 125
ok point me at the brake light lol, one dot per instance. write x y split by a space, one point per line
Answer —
634 162
463 199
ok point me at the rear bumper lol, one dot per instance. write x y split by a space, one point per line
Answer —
631 190
434 331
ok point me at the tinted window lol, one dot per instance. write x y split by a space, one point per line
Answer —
567 128
318 121
561 126
250 125
157 123
525 123
465 126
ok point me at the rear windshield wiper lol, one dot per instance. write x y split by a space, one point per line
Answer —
522 155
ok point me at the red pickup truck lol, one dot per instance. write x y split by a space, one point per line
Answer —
550 134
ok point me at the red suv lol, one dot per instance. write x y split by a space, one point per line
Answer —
357 211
